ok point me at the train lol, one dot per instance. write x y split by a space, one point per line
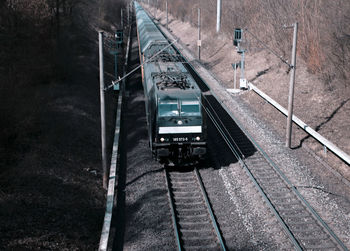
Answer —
176 119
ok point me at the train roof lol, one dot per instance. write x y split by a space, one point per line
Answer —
172 80
177 94
165 71
148 31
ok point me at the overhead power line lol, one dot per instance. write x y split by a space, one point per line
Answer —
269 49
121 78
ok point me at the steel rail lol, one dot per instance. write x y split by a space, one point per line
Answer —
243 164
211 213
205 196
312 211
222 127
173 214
282 175
298 194
279 171
208 206
232 148
284 225
264 196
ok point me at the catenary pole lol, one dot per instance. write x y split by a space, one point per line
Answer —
199 34
242 64
166 7
155 9
291 88
128 12
234 78
121 18
103 113
218 15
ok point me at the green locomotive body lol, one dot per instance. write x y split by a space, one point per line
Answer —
175 116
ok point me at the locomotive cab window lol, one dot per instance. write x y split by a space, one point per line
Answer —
190 108
168 108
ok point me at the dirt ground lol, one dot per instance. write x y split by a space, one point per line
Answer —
325 108
51 194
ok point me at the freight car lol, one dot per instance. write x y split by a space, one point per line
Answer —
175 117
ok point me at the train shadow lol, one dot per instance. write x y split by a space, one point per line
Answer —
226 140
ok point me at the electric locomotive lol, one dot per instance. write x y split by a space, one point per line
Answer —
175 117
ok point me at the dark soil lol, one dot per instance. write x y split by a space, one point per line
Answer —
51 194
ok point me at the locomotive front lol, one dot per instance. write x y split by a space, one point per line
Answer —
180 125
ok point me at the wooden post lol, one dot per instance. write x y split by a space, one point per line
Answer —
103 112
291 88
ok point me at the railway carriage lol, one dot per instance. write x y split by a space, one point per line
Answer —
175 118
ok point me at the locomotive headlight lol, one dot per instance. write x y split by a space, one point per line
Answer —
198 138
162 139
179 122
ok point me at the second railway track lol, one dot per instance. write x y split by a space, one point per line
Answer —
305 228
193 219
302 224
194 222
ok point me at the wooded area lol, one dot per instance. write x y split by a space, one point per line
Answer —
51 195
324 31
40 41
29 34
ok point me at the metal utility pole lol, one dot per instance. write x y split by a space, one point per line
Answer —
155 9
234 77
242 65
128 12
166 7
291 88
218 16
121 18
103 113
199 34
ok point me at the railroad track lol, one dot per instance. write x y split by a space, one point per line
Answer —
302 224
305 228
194 222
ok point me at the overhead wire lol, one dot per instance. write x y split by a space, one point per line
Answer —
263 43
216 121
268 48
133 70
221 129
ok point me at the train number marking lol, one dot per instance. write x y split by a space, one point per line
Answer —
180 139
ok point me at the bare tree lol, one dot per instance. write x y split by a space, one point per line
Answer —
324 34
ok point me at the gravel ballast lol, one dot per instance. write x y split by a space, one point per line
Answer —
324 191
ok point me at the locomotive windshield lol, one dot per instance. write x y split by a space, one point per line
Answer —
171 108
190 108
168 108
